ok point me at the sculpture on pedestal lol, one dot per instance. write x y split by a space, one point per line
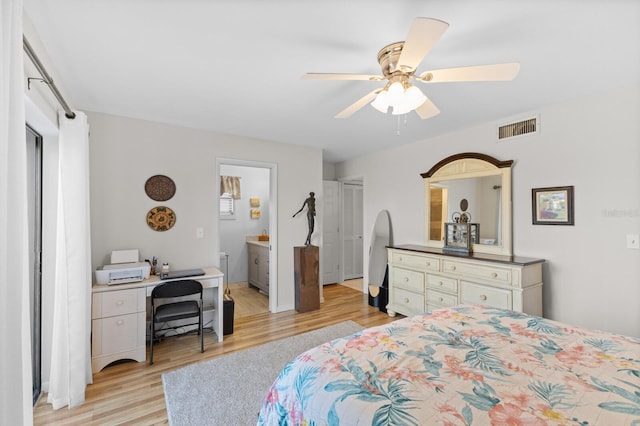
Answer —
310 203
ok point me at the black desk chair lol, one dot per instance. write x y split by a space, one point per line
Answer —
173 311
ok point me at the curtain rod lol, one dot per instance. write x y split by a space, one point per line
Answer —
46 78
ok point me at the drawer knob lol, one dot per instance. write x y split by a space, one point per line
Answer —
441 299
441 283
406 279
406 300
483 297
120 322
494 275
400 258
428 263
453 267
120 302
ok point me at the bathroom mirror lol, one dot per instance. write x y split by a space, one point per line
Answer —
485 183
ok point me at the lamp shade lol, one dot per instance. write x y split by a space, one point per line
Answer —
414 97
381 102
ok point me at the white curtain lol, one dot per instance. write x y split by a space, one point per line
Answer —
15 328
71 336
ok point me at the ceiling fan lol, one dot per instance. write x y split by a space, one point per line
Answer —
399 62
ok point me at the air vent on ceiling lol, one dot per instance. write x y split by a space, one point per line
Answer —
520 128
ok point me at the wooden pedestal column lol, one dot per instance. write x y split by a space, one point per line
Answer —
306 262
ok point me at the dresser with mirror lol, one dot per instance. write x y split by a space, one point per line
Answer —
477 188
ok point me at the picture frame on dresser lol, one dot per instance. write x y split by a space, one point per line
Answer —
460 236
552 206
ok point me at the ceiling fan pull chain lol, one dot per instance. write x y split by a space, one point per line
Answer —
398 127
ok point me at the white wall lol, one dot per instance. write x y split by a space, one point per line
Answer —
254 182
590 278
126 152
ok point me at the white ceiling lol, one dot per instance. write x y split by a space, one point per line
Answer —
234 66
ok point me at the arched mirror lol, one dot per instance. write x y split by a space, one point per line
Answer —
484 183
380 239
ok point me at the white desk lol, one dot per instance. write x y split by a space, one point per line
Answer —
119 317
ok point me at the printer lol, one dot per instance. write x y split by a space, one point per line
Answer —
124 268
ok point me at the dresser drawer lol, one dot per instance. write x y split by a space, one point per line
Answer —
442 283
118 302
408 279
422 262
411 302
493 273
441 299
484 295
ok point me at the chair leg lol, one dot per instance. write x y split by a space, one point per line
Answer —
153 332
201 332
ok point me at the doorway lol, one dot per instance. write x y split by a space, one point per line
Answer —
352 225
330 251
34 193
254 219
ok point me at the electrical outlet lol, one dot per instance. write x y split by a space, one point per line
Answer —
633 241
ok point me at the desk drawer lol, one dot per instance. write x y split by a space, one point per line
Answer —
485 295
408 279
442 283
493 273
118 302
117 334
422 262
412 302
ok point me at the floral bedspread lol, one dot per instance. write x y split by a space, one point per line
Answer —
468 365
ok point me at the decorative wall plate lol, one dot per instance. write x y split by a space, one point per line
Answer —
161 218
160 188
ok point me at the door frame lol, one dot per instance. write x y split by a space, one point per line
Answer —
273 220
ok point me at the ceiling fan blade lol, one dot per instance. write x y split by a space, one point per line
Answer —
339 76
423 35
348 111
427 110
496 72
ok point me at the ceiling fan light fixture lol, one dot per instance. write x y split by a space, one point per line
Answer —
381 102
401 109
396 93
414 97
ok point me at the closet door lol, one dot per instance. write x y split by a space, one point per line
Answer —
330 255
352 212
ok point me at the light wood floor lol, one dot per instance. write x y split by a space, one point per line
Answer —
248 300
131 392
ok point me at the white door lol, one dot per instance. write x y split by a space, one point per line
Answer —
330 232
352 211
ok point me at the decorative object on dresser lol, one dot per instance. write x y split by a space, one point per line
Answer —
552 206
458 237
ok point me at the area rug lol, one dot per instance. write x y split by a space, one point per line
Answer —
229 390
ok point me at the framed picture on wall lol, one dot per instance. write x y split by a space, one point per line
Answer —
552 206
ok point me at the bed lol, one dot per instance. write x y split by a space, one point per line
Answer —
467 365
